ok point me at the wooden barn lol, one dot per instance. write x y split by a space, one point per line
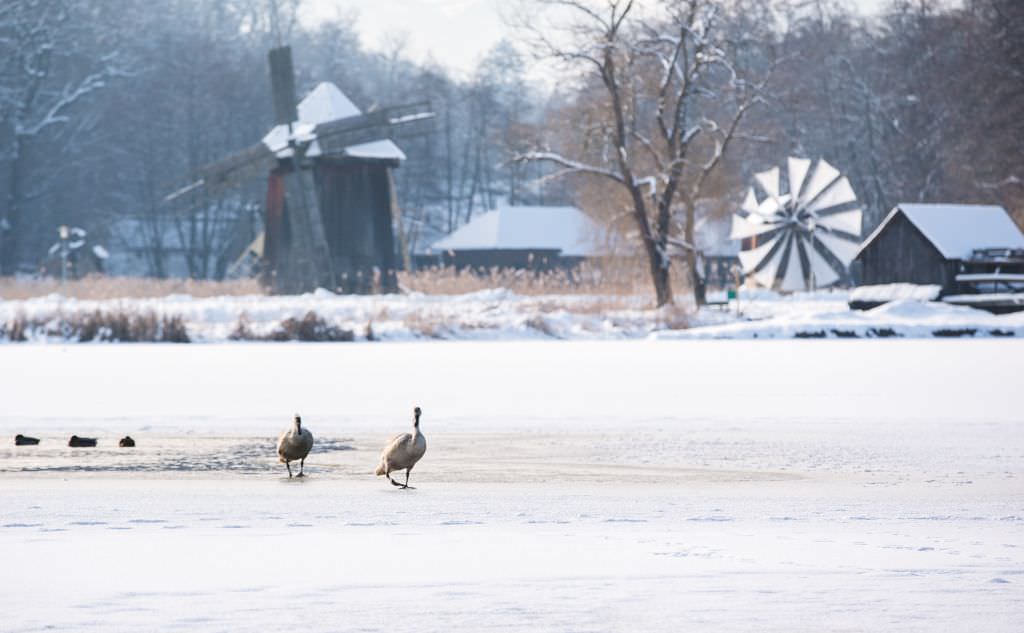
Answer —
531 238
719 254
330 203
951 246
352 193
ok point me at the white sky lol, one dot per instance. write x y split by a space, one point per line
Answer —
455 33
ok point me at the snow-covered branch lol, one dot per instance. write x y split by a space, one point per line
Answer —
570 166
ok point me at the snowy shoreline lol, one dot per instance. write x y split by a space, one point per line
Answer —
500 314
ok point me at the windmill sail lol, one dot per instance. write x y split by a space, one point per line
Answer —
806 236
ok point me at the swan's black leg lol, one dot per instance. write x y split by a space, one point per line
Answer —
393 482
302 464
407 486
289 467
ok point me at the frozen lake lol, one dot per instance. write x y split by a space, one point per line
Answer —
568 486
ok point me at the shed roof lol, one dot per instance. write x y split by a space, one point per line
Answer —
326 103
565 229
711 233
957 229
323 104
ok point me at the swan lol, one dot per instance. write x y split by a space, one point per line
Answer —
294 444
402 452
24 440
126 442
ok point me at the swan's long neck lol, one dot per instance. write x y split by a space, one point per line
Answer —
416 422
298 426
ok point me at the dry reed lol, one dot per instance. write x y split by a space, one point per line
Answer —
310 328
99 287
124 327
622 278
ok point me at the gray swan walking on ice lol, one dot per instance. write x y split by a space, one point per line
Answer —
295 444
402 452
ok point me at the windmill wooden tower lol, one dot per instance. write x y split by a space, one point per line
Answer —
330 202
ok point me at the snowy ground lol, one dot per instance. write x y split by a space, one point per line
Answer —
568 486
499 314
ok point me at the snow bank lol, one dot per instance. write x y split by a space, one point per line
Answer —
902 318
488 314
499 314
892 292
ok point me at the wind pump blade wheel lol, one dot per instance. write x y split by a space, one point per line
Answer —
802 232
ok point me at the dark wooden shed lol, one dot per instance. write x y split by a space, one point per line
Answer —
355 202
933 243
330 208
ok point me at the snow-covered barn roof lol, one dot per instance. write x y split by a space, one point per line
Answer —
711 233
324 104
957 229
565 229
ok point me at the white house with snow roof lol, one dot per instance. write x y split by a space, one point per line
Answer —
538 238
948 245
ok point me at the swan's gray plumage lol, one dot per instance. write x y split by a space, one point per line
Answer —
295 444
402 452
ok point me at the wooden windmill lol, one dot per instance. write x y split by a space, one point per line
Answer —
330 199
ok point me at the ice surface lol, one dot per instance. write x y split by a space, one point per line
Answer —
568 486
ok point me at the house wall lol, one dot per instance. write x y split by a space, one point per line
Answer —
718 271
525 259
355 202
902 254
277 237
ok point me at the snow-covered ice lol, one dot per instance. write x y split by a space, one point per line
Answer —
568 486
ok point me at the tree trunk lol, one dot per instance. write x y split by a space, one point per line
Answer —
10 230
696 278
660 277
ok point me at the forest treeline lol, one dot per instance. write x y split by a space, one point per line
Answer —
106 107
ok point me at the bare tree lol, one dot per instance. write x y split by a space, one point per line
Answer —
674 98
42 81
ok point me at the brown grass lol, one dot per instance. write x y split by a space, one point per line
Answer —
310 328
619 278
99 287
604 278
99 326
674 317
430 324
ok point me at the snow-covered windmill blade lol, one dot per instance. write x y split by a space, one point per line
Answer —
405 121
800 238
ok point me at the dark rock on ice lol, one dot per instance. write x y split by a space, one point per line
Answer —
80 442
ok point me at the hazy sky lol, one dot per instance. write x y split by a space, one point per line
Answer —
455 33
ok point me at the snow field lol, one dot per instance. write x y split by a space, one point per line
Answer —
567 486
